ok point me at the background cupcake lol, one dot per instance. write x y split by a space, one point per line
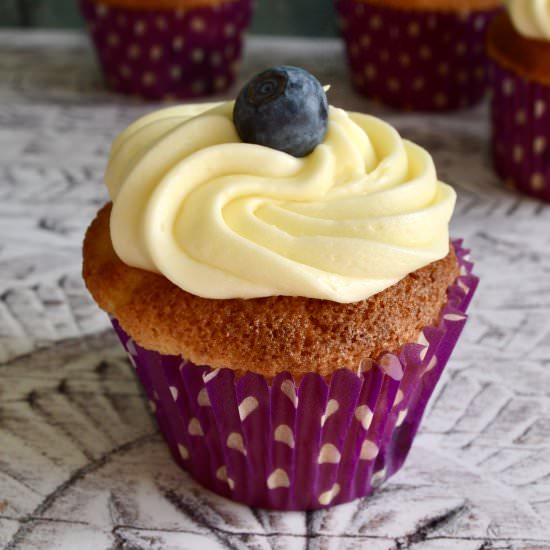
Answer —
168 48
418 54
316 288
519 49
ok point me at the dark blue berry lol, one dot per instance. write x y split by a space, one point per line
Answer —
284 108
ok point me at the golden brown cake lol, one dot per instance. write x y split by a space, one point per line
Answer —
263 335
298 264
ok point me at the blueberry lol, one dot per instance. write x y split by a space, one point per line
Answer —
284 108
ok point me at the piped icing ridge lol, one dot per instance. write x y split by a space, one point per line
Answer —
225 219
531 18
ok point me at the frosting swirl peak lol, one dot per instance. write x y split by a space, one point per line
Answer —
226 219
531 18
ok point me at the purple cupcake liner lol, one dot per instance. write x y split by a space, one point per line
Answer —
521 131
281 445
168 54
416 59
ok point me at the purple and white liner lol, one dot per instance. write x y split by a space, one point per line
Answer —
168 54
416 59
520 118
276 444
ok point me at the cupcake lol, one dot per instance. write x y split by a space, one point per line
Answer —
425 55
518 44
166 49
281 276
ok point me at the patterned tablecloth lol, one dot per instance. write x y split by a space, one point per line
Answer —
81 463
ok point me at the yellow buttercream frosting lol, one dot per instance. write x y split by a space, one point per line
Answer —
531 18
226 219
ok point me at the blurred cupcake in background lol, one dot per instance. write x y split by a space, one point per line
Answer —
168 49
519 49
425 55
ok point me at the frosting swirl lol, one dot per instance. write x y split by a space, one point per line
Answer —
225 219
531 18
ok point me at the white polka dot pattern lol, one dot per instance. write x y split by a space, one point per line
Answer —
149 78
329 454
177 43
221 474
279 478
463 287
175 72
539 108
195 427
198 24
518 153
328 496
521 117
140 27
284 434
432 364
235 441
197 55
521 132
391 366
288 388
453 317
539 145
210 376
150 42
423 342
332 407
401 417
203 399
184 453
102 10
155 52
254 441
398 397
537 181
418 55
248 405
369 450
364 415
